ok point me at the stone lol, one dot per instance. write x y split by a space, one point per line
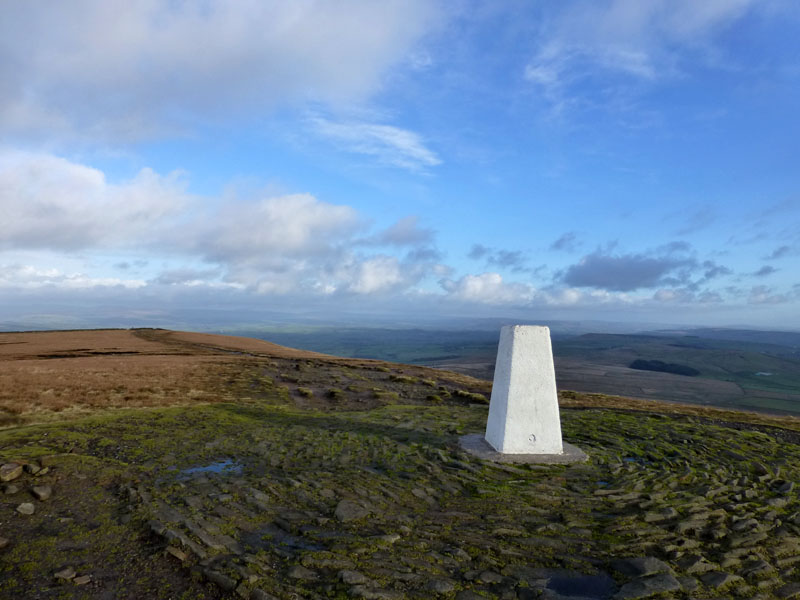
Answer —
26 508
640 567
719 579
10 471
223 581
440 586
648 586
490 577
790 590
523 410
362 591
258 594
4 542
347 510
42 492
177 553
352 577
32 468
10 488
469 595
300 572
82 580
757 568
67 573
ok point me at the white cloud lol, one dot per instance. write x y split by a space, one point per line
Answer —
378 274
390 145
488 288
29 277
129 69
49 202
61 213
296 225
641 40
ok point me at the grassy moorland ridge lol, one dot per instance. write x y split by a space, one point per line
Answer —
160 464
740 369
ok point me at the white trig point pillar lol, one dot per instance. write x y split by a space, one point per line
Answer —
523 411
524 425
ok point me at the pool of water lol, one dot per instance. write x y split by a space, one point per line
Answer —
227 467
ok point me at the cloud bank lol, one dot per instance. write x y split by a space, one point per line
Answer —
133 70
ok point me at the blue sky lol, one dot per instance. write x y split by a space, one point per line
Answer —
624 160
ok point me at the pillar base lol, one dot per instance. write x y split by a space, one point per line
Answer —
477 445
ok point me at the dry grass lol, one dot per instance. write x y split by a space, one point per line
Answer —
46 372
45 344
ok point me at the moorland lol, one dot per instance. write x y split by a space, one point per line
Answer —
159 464
745 369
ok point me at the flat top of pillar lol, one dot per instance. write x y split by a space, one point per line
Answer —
541 328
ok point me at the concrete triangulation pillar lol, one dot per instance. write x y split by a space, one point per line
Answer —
523 411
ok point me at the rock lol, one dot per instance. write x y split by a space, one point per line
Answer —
694 564
490 577
759 468
747 540
718 579
469 595
757 568
10 488
66 574
457 553
300 572
258 594
4 542
82 580
648 586
352 577
32 468
10 471
440 586
639 567
26 508
223 581
42 492
663 515
790 590
362 591
689 584
177 553
347 510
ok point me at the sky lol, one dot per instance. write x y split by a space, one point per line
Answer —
243 160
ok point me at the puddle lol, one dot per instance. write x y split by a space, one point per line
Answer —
228 467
